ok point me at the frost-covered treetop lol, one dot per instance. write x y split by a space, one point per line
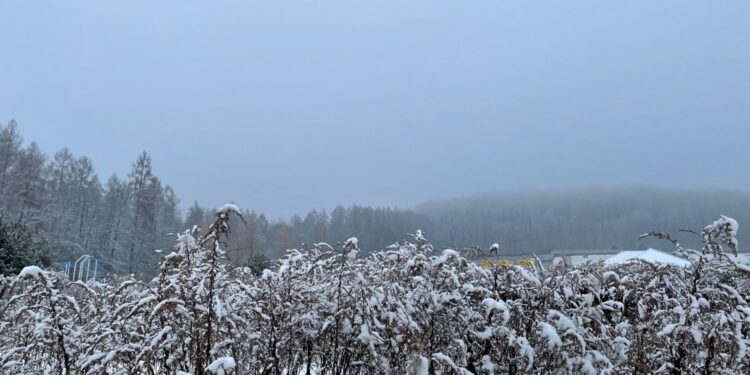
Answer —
229 208
30 271
726 228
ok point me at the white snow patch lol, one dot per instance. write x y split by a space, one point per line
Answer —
423 368
667 330
549 333
30 271
229 208
224 363
493 304
652 256
419 236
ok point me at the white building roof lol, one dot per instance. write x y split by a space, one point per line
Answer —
577 260
651 255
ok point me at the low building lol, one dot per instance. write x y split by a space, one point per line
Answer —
651 256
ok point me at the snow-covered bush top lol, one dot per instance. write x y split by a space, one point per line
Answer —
402 310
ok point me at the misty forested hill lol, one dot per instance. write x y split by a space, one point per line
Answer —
592 218
582 218
121 221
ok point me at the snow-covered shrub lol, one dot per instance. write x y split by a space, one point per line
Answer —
336 310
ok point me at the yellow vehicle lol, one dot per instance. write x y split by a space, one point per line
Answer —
525 262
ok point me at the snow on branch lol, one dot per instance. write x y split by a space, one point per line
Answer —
401 310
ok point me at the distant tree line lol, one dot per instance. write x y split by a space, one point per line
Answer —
586 219
123 220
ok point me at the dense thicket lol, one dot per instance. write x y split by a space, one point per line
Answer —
407 309
19 248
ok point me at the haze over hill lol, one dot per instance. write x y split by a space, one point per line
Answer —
288 108
580 218
586 218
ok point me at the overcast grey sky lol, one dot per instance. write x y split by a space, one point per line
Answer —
285 106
